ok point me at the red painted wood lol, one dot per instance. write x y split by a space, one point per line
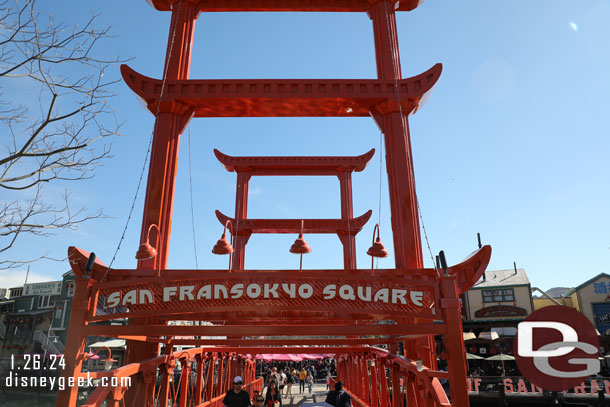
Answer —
285 5
284 97
297 165
390 100
454 341
162 330
294 225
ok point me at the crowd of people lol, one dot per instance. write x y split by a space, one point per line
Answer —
279 381
238 397
284 380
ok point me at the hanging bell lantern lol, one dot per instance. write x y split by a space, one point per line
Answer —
300 246
146 251
223 246
377 249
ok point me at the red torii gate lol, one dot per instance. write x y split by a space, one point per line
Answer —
343 305
341 167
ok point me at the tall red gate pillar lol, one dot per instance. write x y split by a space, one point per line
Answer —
392 119
169 125
170 122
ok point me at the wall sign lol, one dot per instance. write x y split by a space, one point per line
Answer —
500 311
52 288
224 292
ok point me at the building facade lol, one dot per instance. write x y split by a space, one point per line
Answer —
592 298
502 297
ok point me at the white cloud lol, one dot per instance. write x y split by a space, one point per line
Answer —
16 278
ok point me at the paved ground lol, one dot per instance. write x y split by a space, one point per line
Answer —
318 395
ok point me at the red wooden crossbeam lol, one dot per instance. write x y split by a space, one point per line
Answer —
285 5
343 226
378 340
286 165
468 272
277 330
283 97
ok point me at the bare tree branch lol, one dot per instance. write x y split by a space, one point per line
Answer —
60 135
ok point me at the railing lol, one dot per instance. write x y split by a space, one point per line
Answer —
2 329
202 380
378 378
48 345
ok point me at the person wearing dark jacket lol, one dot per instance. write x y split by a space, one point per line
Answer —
237 397
339 397
273 395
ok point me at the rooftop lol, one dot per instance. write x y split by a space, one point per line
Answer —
495 278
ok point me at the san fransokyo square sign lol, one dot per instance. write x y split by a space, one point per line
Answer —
239 313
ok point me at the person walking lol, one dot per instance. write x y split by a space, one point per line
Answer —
259 401
289 383
327 381
273 398
283 380
309 381
339 397
302 377
237 397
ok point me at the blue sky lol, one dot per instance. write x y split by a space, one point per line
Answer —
513 142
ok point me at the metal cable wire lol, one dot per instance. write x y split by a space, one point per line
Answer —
380 183
191 196
409 157
171 47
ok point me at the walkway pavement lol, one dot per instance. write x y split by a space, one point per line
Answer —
305 399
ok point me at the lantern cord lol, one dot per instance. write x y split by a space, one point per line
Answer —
239 198
404 134
191 196
133 203
380 174
380 183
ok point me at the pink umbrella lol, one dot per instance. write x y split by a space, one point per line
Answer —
281 356
311 356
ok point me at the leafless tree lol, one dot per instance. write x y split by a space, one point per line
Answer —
55 121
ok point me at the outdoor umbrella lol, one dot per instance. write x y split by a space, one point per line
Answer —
280 357
501 357
470 356
492 336
469 335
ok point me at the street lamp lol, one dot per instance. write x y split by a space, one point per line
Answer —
107 362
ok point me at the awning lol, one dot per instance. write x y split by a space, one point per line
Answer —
113 343
489 335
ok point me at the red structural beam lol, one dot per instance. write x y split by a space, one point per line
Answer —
279 330
283 97
285 5
294 166
352 226
468 272
282 342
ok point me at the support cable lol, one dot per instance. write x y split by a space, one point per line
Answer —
380 183
402 122
191 196
133 203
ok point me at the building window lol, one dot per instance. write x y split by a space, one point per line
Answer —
502 295
43 301
59 312
15 292
71 289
